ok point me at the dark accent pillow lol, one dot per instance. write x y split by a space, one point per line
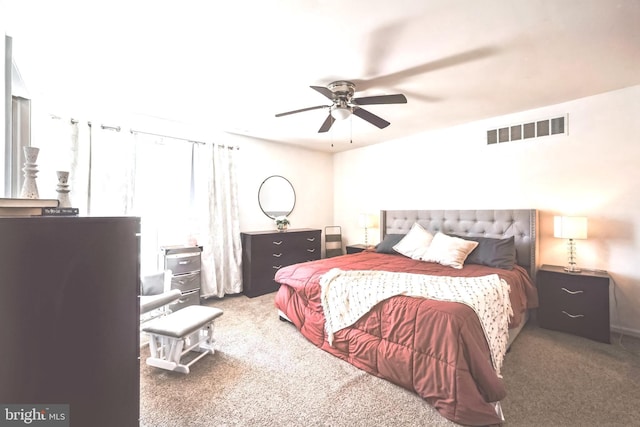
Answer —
497 253
386 246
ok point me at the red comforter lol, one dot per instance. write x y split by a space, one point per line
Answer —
435 348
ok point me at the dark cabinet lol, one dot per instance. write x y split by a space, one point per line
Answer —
265 252
576 303
69 316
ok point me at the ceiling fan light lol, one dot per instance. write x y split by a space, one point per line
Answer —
340 113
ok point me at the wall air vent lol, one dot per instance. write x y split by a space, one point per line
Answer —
535 129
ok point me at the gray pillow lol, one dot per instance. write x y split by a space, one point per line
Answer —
153 284
497 253
386 246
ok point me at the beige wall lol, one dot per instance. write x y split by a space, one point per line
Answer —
310 173
592 171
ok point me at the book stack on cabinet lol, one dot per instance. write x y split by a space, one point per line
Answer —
13 207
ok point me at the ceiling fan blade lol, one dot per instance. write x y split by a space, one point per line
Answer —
382 43
317 107
327 124
370 117
380 99
441 63
324 90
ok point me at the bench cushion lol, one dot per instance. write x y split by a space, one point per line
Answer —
183 322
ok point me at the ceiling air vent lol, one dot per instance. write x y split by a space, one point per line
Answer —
537 129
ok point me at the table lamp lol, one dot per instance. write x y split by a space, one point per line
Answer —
366 221
570 227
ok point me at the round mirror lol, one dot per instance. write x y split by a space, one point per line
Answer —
276 196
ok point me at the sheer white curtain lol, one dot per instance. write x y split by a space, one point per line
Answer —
216 201
162 195
64 146
180 189
112 172
80 134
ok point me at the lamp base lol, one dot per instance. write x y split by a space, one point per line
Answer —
572 269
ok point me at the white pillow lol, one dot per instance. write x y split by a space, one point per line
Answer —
448 250
415 243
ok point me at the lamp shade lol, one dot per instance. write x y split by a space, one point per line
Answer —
570 227
366 220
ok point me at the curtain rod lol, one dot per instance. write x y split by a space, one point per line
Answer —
231 147
72 120
164 136
118 129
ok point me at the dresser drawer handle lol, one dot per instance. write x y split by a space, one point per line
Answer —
277 243
572 292
183 262
277 255
277 267
311 239
573 316
311 250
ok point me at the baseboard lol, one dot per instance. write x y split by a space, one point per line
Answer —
625 331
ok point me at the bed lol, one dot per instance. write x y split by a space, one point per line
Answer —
447 350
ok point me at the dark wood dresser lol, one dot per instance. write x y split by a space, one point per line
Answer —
265 252
577 303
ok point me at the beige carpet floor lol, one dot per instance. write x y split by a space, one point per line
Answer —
265 373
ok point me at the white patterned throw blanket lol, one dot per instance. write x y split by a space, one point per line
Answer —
348 295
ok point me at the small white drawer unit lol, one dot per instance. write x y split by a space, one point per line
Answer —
185 263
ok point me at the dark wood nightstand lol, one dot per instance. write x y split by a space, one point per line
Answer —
354 249
577 303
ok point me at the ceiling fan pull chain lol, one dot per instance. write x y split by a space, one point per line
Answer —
351 130
331 133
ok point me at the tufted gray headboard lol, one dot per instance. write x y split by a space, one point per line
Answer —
500 223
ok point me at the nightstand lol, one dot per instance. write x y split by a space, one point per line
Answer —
577 303
354 249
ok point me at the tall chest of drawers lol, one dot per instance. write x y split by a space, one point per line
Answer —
69 319
265 252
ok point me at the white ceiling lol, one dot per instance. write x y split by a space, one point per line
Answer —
234 64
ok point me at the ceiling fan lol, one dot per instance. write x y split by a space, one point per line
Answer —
344 104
